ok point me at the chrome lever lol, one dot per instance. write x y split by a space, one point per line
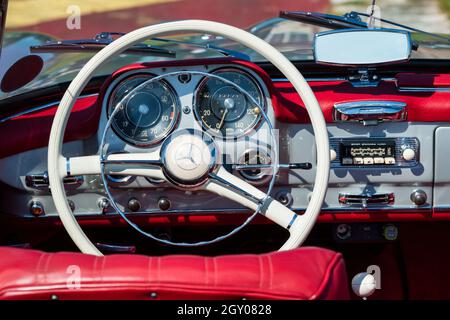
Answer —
288 166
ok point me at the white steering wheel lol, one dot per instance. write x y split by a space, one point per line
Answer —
208 175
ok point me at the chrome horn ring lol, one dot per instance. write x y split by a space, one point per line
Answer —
174 175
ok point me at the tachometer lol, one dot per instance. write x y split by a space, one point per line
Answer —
148 114
223 109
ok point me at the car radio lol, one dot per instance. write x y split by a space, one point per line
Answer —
375 152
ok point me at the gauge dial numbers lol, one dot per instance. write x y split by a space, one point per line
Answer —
225 111
146 115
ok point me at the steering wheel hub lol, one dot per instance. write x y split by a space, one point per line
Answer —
188 158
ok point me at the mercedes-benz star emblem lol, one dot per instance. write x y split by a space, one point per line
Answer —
188 156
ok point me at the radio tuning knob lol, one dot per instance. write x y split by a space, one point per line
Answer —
408 154
333 155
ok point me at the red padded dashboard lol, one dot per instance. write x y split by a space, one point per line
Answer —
421 106
32 130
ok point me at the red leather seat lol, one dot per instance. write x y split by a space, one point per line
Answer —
305 273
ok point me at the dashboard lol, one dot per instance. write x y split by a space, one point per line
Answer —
388 143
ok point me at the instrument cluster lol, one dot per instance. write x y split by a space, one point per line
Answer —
223 110
144 116
145 112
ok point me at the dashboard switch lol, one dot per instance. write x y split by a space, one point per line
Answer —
285 198
164 204
347 161
134 204
378 160
390 232
344 231
103 204
419 197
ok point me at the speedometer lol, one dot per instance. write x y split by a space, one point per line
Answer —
223 109
147 115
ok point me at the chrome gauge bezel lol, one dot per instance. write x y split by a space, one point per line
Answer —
170 129
244 73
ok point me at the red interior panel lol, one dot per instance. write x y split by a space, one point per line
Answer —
421 106
423 80
32 131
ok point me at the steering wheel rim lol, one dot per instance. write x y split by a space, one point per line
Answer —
298 228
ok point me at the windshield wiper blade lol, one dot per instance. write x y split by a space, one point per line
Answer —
393 23
103 39
349 20
100 41
224 51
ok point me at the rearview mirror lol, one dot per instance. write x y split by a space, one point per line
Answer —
356 47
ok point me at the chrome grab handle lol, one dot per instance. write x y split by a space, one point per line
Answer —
365 199
369 112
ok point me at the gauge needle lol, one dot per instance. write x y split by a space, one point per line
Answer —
223 119
137 125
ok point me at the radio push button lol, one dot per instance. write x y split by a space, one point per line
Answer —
358 160
368 161
347 161
378 160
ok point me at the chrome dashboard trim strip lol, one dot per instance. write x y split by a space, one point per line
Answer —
400 89
312 79
442 209
40 108
338 211
329 79
423 89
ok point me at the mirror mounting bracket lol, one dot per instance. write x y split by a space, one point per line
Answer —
364 77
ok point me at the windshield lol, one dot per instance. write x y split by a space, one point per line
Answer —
33 22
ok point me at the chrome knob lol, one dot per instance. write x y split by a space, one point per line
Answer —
419 197
344 231
164 203
103 204
134 204
36 208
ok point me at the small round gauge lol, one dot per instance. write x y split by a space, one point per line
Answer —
146 115
223 109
